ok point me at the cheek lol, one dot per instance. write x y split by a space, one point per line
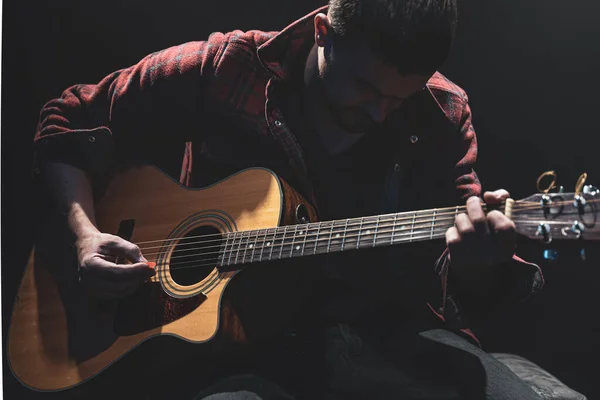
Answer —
339 89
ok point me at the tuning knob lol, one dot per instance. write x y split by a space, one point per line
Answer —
544 230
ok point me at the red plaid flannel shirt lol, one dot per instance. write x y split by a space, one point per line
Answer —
166 103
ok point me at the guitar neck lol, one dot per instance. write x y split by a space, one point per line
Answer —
335 236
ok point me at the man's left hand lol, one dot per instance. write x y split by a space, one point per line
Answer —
479 243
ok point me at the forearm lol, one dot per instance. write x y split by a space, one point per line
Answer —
71 191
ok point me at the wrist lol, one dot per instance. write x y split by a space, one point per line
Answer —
81 224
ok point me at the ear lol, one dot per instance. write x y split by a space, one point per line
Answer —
322 29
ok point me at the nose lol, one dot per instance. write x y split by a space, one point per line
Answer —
379 109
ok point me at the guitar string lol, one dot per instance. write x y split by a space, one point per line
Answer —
212 264
520 205
318 230
156 277
319 244
325 230
264 235
516 208
325 224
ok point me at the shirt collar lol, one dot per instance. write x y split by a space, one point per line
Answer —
279 53
282 50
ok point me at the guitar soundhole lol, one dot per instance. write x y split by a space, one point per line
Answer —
195 256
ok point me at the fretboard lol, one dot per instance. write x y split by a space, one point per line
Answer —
334 236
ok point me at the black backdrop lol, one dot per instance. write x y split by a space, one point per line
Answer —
529 67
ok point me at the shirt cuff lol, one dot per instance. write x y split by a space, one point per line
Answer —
88 149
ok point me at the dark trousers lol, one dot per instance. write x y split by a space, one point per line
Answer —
434 364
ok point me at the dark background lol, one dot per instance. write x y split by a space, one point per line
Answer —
529 67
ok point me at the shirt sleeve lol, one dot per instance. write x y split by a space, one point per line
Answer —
518 279
129 112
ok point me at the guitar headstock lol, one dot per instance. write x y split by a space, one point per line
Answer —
550 216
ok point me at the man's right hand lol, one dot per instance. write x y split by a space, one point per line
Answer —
98 272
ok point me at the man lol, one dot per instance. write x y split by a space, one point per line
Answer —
346 105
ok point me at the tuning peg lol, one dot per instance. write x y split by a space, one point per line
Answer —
552 184
580 183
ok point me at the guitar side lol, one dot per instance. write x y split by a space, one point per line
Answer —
59 337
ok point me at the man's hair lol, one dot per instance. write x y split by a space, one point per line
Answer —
415 36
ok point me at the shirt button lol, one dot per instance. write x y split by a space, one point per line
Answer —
91 139
397 167
278 123
414 139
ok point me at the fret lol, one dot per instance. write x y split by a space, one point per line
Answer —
433 223
412 226
225 250
394 228
234 234
282 241
272 245
335 244
376 229
344 235
238 247
367 232
386 229
317 239
305 236
293 240
253 246
330 236
262 248
245 245
359 233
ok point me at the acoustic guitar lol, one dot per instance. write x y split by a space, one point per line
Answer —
59 337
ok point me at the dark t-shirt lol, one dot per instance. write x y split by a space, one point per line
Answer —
351 184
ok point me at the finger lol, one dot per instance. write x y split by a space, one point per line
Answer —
118 272
453 241
122 248
464 226
452 237
505 233
496 196
477 216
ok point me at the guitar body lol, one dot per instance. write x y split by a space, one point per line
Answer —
59 337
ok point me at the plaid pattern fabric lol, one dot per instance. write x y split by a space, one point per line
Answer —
171 99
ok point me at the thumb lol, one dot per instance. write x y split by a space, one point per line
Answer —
128 250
